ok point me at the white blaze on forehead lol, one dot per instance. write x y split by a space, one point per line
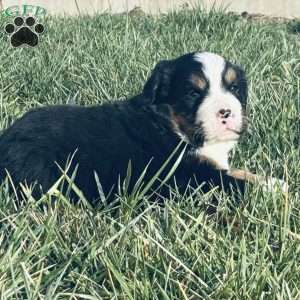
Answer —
213 66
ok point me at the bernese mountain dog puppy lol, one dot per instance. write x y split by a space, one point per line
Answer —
198 100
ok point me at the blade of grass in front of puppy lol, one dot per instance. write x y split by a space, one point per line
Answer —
76 190
138 184
72 178
155 177
100 189
127 179
176 164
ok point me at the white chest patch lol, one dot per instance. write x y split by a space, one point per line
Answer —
217 152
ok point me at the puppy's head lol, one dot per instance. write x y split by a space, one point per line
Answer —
207 96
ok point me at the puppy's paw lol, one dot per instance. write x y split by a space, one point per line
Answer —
273 184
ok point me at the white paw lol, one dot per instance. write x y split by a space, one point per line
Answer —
273 184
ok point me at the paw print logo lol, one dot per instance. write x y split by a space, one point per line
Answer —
24 31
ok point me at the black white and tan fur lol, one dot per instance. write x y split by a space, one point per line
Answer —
198 98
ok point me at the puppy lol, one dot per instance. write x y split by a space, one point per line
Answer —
198 99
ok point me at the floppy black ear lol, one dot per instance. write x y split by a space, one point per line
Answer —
243 84
156 89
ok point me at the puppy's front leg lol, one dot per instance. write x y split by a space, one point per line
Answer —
268 184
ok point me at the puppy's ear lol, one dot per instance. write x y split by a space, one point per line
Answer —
243 83
156 89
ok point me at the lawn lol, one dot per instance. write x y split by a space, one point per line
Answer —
150 252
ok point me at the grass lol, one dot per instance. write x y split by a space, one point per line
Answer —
172 252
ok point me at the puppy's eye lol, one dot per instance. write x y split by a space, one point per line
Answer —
195 94
234 88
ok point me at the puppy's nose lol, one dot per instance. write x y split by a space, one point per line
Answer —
224 113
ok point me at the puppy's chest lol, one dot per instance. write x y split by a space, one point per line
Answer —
217 153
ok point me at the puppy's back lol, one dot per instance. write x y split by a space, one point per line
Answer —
102 138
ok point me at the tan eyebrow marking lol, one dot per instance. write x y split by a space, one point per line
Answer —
198 81
230 75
